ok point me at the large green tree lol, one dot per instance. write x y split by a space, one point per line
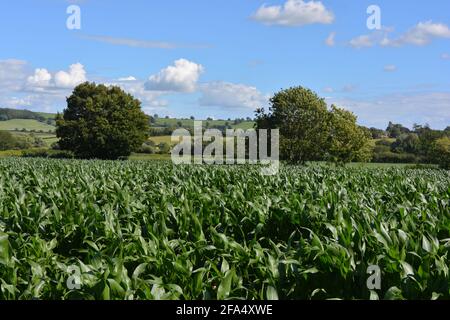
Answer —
101 122
347 141
309 131
302 118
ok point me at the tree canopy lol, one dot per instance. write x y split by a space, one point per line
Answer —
102 122
310 132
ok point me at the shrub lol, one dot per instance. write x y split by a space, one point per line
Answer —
146 149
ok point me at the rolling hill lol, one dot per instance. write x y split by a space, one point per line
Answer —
27 124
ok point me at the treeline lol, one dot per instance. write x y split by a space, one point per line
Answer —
10 114
160 127
9 141
398 144
168 130
309 131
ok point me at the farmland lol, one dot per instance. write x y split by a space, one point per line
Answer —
28 124
151 230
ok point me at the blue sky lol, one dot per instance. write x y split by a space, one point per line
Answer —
225 58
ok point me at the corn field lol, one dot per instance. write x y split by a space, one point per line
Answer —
151 230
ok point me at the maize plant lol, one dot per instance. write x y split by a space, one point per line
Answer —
74 229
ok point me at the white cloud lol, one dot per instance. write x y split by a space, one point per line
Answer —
364 41
390 68
294 13
328 89
130 78
421 34
230 95
23 87
13 73
181 77
137 43
445 56
330 40
406 108
41 78
74 77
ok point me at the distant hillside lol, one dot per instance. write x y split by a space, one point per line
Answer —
26 124
10 114
188 123
13 119
18 120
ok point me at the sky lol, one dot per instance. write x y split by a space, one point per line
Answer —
223 59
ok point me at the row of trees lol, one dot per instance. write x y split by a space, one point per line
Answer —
420 145
107 123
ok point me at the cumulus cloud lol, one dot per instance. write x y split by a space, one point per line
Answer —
41 78
230 95
294 13
330 40
72 78
180 77
39 89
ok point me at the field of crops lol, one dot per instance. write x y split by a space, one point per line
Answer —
149 230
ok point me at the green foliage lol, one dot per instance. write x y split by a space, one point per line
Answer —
377 133
164 148
387 156
348 141
9 114
302 118
9 141
147 149
408 142
310 132
150 230
395 130
441 152
102 122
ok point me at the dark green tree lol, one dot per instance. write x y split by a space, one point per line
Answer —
102 122
311 132
303 120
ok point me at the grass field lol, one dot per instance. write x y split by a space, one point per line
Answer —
187 123
47 115
28 124
160 139
151 230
